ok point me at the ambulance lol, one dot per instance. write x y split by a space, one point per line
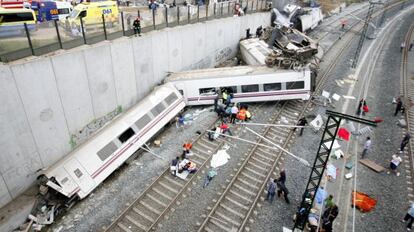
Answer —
91 14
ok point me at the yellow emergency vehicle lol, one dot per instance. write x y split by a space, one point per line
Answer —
91 14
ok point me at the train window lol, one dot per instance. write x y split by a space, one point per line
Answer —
78 173
250 88
126 135
295 85
107 151
207 91
156 110
272 87
143 121
171 98
230 89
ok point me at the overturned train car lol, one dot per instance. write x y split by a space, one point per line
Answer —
81 171
244 83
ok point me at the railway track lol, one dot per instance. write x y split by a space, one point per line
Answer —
157 199
407 90
236 205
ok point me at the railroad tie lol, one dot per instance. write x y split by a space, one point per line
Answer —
123 227
142 214
240 196
168 187
153 198
136 223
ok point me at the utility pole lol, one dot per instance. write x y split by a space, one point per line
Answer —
364 31
319 165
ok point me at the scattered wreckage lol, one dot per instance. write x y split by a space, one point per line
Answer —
280 46
301 18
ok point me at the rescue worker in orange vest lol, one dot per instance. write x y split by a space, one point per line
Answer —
186 149
248 115
242 114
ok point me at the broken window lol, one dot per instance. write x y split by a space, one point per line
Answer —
126 135
272 87
229 89
207 91
295 85
249 88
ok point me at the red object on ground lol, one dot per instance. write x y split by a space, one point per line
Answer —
363 202
344 134
378 119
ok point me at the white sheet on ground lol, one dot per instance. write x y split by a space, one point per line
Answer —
335 145
219 159
183 174
331 171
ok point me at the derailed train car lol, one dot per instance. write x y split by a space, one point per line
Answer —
245 83
81 171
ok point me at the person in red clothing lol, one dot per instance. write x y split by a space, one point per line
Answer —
225 128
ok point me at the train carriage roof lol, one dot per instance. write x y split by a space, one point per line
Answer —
223 72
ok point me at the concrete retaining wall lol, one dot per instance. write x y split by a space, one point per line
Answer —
52 104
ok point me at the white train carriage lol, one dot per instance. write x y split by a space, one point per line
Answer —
86 167
247 83
254 51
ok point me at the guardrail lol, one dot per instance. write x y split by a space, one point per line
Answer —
50 36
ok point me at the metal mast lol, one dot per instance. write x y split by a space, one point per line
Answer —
364 32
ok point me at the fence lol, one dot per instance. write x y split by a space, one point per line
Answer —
54 35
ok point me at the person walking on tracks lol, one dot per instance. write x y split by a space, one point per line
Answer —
271 190
405 141
367 147
395 161
282 190
399 106
409 216
302 122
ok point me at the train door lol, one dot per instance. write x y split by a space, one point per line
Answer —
79 174
181 88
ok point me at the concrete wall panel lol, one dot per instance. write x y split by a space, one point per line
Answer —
101 81
175 49
160 46
37 88
73 89
5 197
189 46
143 61
124 73
19 159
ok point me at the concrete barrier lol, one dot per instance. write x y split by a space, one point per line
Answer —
52 104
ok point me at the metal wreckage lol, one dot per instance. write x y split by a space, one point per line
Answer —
281 47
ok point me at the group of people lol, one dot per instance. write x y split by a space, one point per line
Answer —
328 208
230 112
279 185
396 159
183 163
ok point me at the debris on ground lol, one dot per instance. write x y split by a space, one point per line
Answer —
219 159
363 201
372 165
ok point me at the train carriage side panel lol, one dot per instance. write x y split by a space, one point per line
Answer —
207 85
91 163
